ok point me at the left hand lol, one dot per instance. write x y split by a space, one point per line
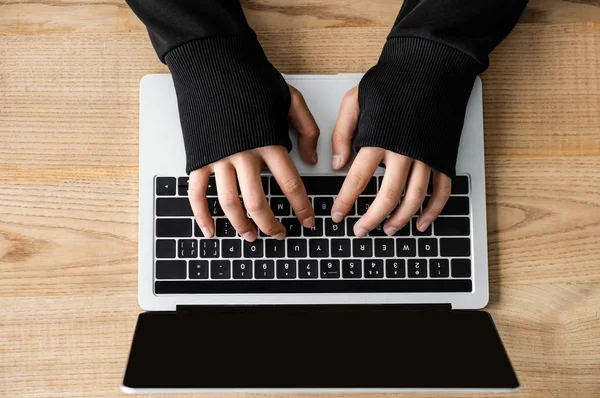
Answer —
400 170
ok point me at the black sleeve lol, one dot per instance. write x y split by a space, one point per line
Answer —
230 97
413 101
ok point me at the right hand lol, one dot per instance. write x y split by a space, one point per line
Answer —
246 167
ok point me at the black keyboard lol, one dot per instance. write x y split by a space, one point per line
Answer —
327 258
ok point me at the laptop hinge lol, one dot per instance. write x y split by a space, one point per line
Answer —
312 307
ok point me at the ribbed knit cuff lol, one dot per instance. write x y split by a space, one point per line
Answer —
230 98
413 101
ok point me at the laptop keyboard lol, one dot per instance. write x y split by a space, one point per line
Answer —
327 258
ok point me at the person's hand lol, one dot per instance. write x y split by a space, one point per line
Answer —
245 168
399 171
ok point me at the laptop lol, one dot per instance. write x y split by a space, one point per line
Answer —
377 314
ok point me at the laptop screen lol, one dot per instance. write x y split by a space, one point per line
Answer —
365 347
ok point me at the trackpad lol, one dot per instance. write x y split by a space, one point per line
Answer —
318 347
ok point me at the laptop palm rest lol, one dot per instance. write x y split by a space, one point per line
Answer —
357 348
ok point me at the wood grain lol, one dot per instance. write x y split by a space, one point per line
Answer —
69 74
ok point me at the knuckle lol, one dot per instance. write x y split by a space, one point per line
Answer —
254 206
228 201
293 186
271 229
390 196
357 180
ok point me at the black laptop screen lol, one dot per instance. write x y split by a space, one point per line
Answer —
329 347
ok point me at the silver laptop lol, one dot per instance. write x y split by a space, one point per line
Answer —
227 315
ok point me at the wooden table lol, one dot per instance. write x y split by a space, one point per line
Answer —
69 74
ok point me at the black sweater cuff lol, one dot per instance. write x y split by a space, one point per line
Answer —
413 101
230 98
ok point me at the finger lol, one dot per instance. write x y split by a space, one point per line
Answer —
394 179
283 169
415 193
358 177
225 177
345 126
303 121
198 184
442 185
254 198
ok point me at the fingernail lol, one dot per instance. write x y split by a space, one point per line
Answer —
280 236
314 157
390 230
423 224
205 232
250 236
309 222
335 161
361 232
337 216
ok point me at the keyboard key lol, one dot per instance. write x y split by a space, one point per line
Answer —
211 189
363 203
265 184
384 247
307 269
173 207
340 248
170 269
318 247
330 269
350 221
231 248
242 269
253 249
280 206
187 248
182 186
461 268
209 248
416 232
296 248
362 247
460 185
292 226
166 248
377 231
323 206
456 206
316 230
264 269
428 247
395 269
452 226
334 229
351 269
373 269
274 248
214 207
286 269
455 247
417 268
173 227
220 269
439 268
165 186
198 269
406 247
224 228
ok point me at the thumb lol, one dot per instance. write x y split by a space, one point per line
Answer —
344 129
302 120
